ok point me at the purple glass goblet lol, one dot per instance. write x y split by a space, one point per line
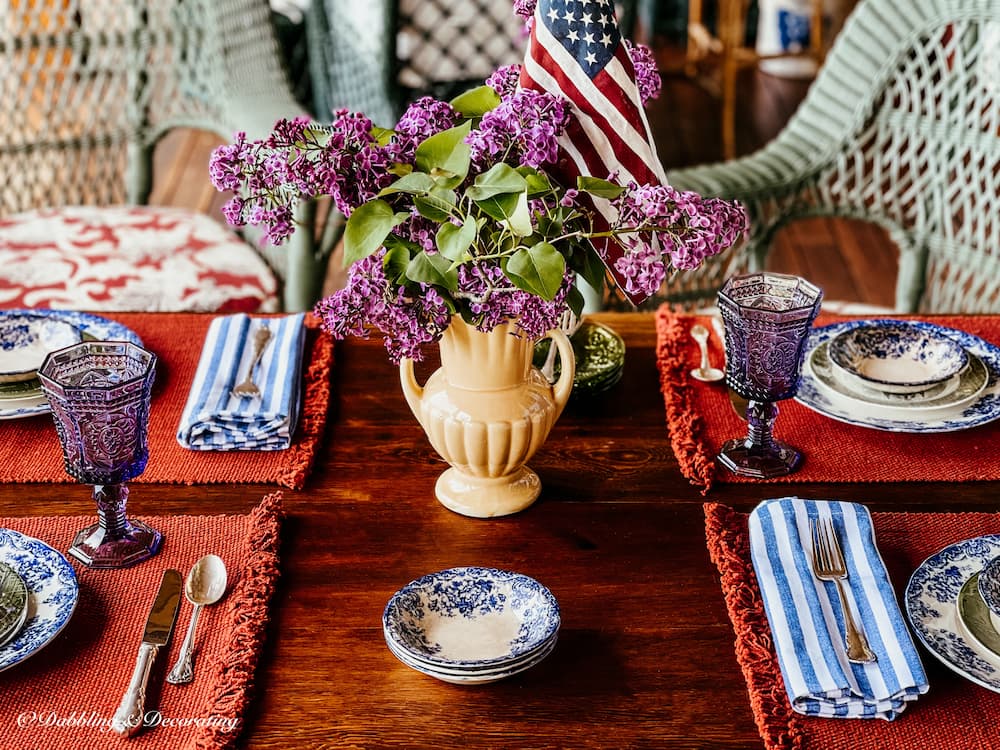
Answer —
767 317
99 392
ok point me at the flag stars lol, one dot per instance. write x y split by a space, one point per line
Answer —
587 19
568 16
588 38
553 14
606 40
572 35
591 58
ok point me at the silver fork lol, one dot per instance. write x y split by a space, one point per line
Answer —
248 387
829 565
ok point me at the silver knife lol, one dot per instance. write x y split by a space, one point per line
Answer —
159 625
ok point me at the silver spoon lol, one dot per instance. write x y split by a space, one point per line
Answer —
704 372
206 583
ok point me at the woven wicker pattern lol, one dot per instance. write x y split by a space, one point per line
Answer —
89 86
901 128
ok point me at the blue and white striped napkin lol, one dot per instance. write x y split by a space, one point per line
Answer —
807 621
213 418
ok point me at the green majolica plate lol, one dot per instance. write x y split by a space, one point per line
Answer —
13 603
975 616
600 358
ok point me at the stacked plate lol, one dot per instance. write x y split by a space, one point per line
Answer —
901 376
600 358
27 336
471 625
946 602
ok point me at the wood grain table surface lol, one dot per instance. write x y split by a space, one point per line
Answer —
645 655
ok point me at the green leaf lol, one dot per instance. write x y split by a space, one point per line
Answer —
476 102
538 183
499 207
395 262
400 170
432 269
445 150
433 208
499 180
453 241
382 136
519 222
599 187
586 262
575 301
538 270
366 230
417 183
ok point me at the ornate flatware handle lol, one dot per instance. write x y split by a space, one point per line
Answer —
128 718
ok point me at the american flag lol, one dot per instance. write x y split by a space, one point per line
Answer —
576 52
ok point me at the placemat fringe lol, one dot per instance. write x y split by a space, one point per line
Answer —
728 549
248 609
684 425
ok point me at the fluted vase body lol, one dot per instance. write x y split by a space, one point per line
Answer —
486 411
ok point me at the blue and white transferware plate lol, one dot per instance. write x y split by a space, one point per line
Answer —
88 326
898 356
472 617
25 341
985 408
931 600
464 677
52 593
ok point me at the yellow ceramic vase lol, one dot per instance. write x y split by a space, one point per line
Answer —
486 411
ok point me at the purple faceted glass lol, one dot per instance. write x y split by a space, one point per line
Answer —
99 392
767 317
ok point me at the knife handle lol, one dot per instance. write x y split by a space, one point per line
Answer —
128 718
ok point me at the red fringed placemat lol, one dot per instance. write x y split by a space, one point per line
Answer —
954 715
700 419
65 695
30 452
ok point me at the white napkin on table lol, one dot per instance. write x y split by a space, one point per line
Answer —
807 621
215 419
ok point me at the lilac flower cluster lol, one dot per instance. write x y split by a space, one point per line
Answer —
647 73
408 320
523 129
504 80
658 226
493 301
422 119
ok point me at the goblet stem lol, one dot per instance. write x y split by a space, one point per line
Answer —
114 541
759 455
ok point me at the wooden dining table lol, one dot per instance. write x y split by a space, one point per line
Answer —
645 656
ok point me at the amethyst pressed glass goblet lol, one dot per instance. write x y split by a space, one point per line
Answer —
767 317
99 392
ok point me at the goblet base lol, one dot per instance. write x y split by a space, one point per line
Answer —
750 461
95 548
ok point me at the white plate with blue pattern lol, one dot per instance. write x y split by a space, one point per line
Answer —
52 594
89 326
25 341
983 409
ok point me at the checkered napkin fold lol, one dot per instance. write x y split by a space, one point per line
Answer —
807 621
216 420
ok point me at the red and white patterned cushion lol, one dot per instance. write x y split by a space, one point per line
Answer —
130 258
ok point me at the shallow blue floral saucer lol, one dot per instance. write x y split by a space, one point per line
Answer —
472 620
52 593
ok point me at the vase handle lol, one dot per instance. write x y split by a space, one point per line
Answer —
411 388
563 387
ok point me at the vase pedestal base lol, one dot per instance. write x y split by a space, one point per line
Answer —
480 497
95 548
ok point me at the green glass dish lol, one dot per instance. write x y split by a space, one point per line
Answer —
13 603
600 358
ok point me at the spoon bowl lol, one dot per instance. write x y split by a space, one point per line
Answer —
206 583
704 372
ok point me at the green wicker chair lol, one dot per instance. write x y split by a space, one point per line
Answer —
90 86
900 128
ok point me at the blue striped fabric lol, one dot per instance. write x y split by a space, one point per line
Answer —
215 419
807 621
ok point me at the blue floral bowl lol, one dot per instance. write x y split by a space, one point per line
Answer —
471 618
896 356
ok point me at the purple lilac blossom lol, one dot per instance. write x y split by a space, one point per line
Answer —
525 8
504 80
647 74
522 130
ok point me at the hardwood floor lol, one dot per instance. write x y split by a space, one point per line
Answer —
851 260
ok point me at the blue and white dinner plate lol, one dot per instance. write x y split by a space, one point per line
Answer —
25 341
90 326
984 409
52 593
931 600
